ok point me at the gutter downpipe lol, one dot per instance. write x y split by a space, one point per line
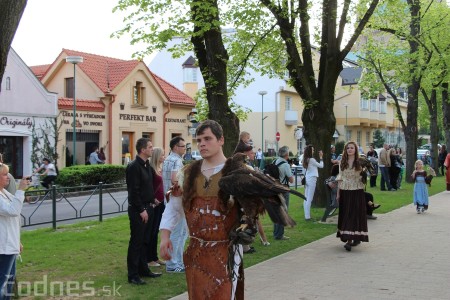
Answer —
277 95
164 124
113 99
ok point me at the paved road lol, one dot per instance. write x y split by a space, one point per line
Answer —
72 207
408 257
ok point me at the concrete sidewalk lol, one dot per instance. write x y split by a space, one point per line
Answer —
408 257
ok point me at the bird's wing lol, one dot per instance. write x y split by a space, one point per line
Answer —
277 211
247 182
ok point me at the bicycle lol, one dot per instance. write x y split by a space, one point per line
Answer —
36 192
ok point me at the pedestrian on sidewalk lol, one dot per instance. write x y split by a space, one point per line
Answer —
352 220
213 263
447 166
420 187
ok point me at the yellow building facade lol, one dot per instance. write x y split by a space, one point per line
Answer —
117 102
356 117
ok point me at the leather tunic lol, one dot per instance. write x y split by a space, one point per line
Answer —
206 258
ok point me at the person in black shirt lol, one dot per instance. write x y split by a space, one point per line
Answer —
141 196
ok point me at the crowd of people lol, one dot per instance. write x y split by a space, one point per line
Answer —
178 202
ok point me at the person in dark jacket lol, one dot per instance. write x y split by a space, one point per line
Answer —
372 155
394 169
141 197
441 158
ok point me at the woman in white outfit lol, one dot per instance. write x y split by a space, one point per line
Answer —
311 166
10 247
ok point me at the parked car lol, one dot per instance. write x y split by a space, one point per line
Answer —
196 155
424 150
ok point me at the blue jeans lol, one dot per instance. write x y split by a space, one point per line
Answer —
385 179
278 229
7 274
178 238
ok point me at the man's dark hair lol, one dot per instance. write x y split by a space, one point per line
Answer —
142 144
215 127
46 159
94 148
174 141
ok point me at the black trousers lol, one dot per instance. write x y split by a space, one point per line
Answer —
140 233
153 247
47 180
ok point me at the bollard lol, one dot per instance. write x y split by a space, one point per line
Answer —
54 206
100 201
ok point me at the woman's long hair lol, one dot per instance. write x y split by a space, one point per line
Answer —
156 156
307 155
344 160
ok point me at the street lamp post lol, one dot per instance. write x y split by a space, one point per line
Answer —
262 93
74 60
346 133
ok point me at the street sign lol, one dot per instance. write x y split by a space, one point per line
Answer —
277 136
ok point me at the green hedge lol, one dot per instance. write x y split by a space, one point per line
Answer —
90 175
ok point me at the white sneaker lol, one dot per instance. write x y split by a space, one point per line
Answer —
422 210
153 264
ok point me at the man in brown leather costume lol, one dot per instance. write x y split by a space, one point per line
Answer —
213 263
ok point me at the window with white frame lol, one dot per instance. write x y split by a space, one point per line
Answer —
392 138
190 74
288 103
373 104
8 83
364 104
386 136
358 137
382 106
348 135
368 138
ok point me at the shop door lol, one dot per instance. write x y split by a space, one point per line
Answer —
12 149
127 147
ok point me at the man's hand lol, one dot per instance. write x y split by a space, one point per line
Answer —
165 247
144 216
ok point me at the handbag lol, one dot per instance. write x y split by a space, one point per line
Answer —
304 178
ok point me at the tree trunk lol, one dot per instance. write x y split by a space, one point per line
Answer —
413 90
213 58
446 114
10 14
434 129
319 132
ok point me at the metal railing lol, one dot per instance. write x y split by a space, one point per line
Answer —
71 203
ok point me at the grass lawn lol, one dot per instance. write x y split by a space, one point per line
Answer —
89 258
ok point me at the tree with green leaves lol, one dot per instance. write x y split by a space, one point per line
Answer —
10 14
269 36
378 139
410 41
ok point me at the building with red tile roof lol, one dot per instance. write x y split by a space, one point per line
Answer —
117 102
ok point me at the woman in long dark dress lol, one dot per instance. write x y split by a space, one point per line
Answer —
352 220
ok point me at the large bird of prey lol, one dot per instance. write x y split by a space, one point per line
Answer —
255 192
